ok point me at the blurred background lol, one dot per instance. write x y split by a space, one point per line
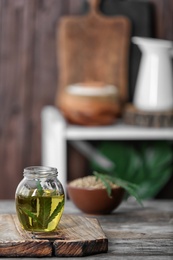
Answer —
29 76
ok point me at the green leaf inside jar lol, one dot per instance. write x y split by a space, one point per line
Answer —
41 210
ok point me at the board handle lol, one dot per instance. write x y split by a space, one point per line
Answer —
94 5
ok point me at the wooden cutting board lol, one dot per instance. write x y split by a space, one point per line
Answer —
93 48
75 236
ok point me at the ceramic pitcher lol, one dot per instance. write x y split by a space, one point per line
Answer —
154 85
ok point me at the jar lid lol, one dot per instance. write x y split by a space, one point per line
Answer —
39 171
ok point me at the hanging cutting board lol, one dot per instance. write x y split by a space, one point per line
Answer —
75 236
92 48
141 14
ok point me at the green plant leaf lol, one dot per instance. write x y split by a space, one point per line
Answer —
131 188
146 164
105 182
56 211
44 210
24 218
30 214
40 188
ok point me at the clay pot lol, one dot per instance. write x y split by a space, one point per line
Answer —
90 104
95 201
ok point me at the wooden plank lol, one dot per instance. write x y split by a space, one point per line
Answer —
75 8
83 236
10 99
75 236
163 19
16 80
45 71
14 243
140 231
133 232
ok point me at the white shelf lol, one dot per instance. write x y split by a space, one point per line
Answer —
117 131
56 131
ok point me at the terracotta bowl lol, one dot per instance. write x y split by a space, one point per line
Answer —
95 201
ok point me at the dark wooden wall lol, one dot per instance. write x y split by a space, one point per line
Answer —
28 76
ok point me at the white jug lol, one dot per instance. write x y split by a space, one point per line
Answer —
154 85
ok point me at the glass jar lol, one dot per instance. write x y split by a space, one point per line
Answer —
39 199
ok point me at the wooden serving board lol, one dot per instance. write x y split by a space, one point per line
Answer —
92 48
75 236
134 116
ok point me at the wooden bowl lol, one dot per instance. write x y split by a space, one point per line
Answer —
90 104
95 201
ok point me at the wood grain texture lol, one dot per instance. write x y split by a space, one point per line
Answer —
163 26
92 48
133 232
14 243
146 231
27 34
82 236
75 236
29 74
96 46
133 116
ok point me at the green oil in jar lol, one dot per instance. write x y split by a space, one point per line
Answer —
39 213
39 199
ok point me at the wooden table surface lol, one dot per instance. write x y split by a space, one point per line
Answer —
133 232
